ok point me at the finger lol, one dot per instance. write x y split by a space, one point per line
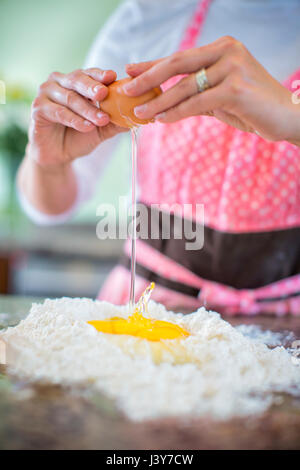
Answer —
56 113
81 83
136 69
183 90
199 104
104 76
77 103
181 62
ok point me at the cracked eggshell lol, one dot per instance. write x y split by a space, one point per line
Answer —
120 107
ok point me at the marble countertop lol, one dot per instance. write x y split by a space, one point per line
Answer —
14 308
43 416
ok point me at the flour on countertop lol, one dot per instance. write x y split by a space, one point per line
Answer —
223 373
270 338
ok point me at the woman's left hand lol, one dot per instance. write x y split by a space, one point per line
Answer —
242 93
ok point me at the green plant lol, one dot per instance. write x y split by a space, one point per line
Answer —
14 117
13 140
14 120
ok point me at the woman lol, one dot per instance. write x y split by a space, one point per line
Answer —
248 185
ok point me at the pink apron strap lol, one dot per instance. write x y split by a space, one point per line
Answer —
194 28
293 82
190 36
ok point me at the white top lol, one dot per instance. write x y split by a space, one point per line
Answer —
142 30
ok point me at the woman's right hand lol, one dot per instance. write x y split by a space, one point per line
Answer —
66 122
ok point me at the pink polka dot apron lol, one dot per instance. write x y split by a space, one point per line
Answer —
250 189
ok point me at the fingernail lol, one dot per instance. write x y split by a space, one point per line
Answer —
87 123
160 116
129 87
138 110
97 88
103 118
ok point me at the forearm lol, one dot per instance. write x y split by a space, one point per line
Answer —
50 190
295 125
295 142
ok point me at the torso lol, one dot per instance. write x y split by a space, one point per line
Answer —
248 186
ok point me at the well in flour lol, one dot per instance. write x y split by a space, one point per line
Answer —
215 371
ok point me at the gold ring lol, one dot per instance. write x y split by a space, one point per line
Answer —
202 81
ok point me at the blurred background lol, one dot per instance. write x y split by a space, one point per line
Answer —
38 37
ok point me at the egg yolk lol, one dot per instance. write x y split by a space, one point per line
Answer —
138 325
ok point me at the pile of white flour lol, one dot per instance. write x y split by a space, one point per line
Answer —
216 371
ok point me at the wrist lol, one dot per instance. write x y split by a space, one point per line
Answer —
51 189
44 163
294 124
